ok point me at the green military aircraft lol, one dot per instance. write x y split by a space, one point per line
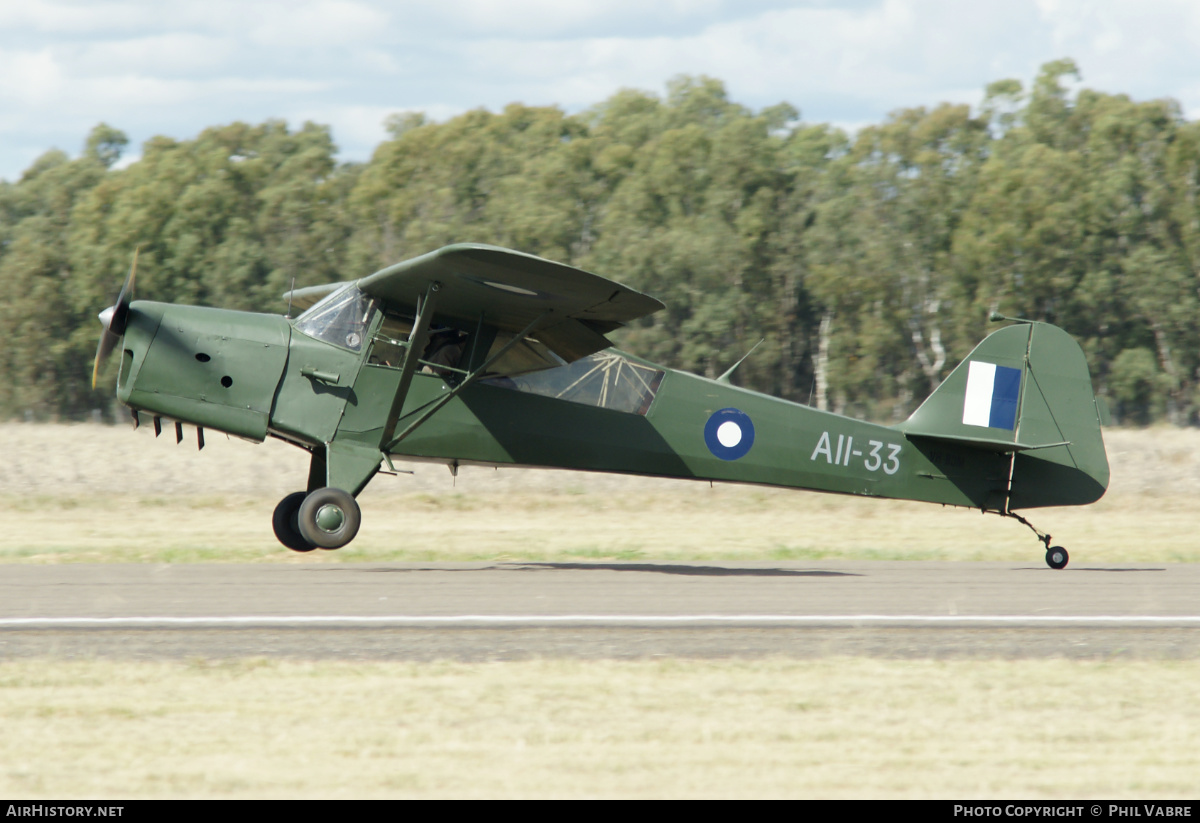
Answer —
479 355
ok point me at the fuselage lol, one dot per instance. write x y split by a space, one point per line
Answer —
702 429
255 375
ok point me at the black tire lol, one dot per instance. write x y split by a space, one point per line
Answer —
284 523
1056 557
329 518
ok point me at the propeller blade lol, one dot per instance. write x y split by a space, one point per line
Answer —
108 342
120 310
115 318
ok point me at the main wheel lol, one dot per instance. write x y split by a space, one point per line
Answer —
284 523
1056 557
329 518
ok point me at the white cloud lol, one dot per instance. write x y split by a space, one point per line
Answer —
298 22
582 19
152 68
883 56
62 17
1145 49
321 24
171 53
29 78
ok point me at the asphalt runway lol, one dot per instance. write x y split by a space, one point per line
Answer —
509 611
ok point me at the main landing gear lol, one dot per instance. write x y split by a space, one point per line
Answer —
1056 556
325 518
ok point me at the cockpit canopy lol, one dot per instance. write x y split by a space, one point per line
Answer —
343 318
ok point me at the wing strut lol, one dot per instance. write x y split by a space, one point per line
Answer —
388 442
418 338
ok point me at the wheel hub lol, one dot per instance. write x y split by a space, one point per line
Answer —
330 518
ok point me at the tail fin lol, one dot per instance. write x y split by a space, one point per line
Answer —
1025 390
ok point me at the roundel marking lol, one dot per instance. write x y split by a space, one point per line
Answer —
729 434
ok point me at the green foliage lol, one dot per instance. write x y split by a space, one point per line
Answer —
1134 381
44 370
869 263
105 144
227 219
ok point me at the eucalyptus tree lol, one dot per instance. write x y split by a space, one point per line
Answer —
229 218
880 255
692 222
43 370
516 178
1082 217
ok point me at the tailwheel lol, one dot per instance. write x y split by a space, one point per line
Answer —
284 521
1056 557
328 518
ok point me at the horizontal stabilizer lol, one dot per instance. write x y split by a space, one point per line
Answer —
988 443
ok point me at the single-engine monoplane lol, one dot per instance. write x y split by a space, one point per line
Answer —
480 355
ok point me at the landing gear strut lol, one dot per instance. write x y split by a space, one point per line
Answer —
325 518
1056 556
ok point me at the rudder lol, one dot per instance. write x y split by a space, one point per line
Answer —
1025 390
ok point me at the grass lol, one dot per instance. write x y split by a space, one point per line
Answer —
550 728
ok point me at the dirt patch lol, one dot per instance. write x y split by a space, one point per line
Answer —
97 459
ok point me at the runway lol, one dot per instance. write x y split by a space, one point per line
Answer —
504 611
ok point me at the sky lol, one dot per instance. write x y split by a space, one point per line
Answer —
150 68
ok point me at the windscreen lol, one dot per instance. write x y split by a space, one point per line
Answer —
342 318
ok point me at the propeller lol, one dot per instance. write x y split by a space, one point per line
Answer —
114 319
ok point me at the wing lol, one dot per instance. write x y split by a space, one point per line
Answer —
509 290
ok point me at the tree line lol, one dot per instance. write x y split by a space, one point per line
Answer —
869 263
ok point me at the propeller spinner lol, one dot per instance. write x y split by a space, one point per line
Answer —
114 319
